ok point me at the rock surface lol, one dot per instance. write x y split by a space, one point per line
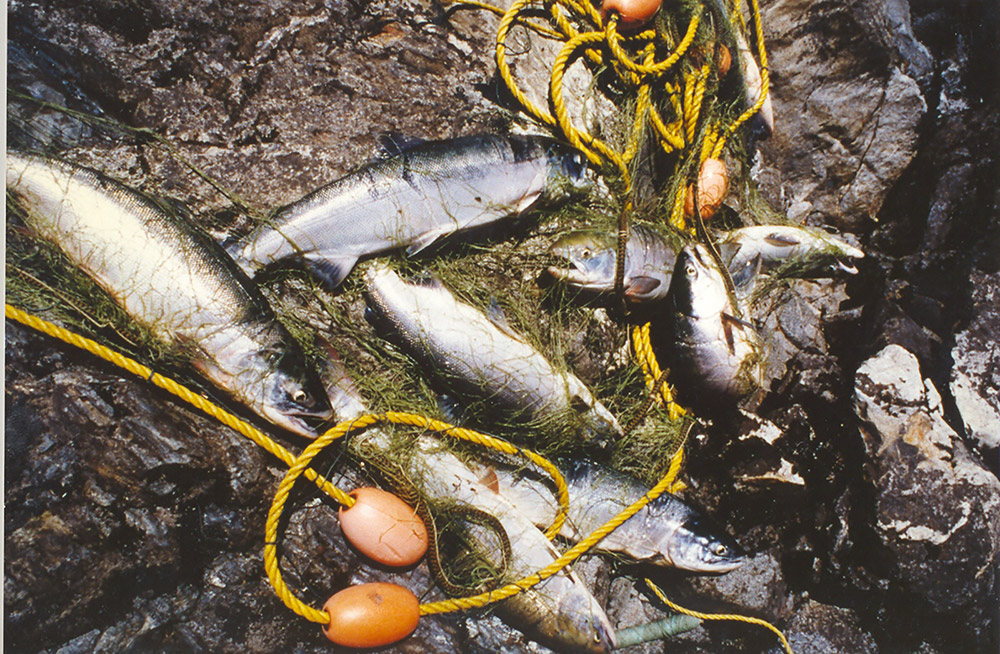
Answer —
937 509
865 491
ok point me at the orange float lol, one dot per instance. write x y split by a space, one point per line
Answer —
371 615
723 60
713 182
384 528
633 13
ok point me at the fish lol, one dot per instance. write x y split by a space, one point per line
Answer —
650 258
412 199
763 120
593 255
667 532
560 611
711 353
481 357
753 83
174 280
815 252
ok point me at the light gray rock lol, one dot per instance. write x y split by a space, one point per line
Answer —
937 510
975 373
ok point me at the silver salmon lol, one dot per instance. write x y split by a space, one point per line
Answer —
561 612
813 250
411 200
482 358
650 258
666 532
177 282
710 352
593 255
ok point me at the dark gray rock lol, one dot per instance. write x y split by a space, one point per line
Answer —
133 524
846 109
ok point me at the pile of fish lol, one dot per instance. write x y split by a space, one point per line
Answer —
199 296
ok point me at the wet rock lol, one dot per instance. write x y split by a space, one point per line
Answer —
937 510
823 629
975 373
846 113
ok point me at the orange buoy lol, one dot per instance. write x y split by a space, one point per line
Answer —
713 181
371 615
723 60
633 13
384 528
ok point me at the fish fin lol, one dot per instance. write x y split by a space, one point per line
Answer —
499 319
641 286
727 327
394 143
528 200
331 270
743 277
427 238
733 320
490 480
451 409
781 240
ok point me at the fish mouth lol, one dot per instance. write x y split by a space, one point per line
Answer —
845 268
310 425
577 277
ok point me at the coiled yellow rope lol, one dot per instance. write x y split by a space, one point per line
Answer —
301 464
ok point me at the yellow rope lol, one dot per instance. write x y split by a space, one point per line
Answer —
169 385
568 557
298 466
719 616
614 44
301 464
765 78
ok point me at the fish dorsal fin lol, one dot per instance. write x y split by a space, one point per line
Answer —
781 240
499 319
392 144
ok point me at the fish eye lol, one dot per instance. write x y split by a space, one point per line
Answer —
690 270
720 549
299 396
586 253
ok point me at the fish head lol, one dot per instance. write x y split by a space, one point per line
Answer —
292 395
568 176
581 625
697 287
700 546
591 257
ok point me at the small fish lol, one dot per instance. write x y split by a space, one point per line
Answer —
754 85
174 280
817 252
561 612
666 532
482 357
412 199
710 352
649 262
763 120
